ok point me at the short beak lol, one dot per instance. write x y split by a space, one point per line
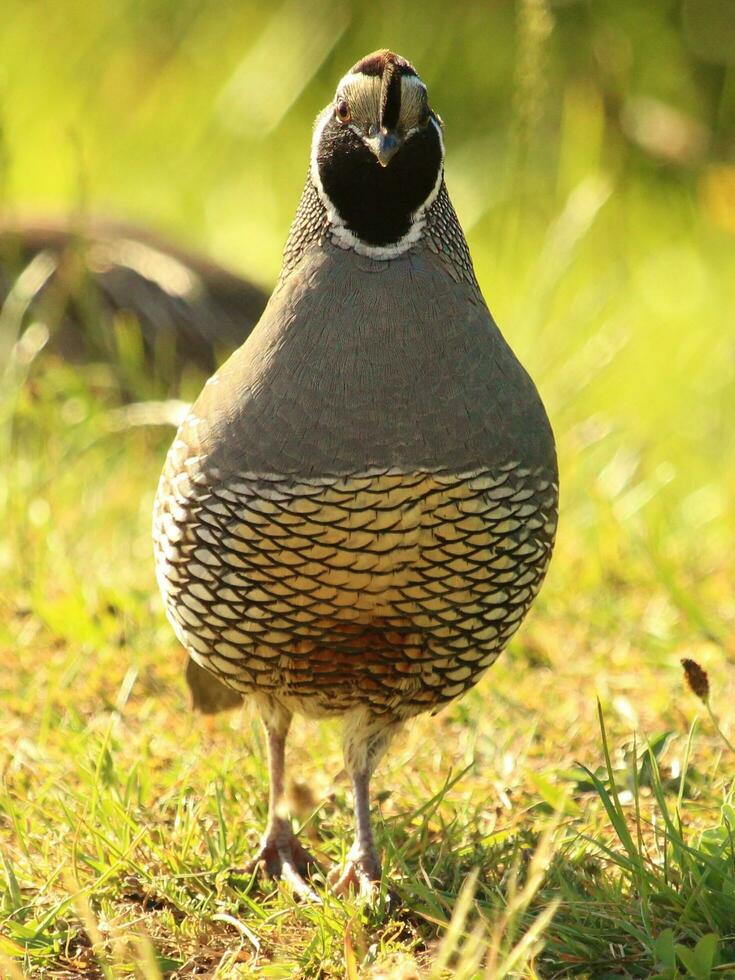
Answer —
385 146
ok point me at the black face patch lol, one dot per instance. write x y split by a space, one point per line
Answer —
376 203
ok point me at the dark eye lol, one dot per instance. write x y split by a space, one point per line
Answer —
343 112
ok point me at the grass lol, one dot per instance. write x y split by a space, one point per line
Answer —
526 831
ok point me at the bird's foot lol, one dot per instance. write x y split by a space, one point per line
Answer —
361 874
284 856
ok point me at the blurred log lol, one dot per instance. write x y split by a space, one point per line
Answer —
189 310
89 284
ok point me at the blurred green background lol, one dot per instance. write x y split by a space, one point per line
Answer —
591 158
196 116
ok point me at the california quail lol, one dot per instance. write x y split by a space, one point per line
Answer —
361 505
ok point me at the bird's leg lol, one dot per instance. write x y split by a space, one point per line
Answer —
362 868
366 739
281 854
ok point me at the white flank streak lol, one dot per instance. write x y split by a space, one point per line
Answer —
341 234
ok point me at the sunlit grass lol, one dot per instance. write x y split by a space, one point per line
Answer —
523 833
121 809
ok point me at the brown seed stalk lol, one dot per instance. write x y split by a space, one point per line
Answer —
696 678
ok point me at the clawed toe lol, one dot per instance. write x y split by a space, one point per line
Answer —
360 874
289 860
274 854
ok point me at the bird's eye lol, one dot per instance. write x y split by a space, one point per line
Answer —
343 112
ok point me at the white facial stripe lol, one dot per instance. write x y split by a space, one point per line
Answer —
351 78
408 81
413 103
355 77
363 92
341 234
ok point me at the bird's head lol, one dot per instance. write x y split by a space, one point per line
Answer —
377 155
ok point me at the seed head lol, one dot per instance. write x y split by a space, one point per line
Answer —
696 678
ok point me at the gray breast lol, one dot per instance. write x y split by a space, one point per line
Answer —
360 363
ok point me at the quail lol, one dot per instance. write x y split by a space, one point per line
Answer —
361 505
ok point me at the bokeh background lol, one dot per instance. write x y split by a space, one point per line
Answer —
578 132
591 159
